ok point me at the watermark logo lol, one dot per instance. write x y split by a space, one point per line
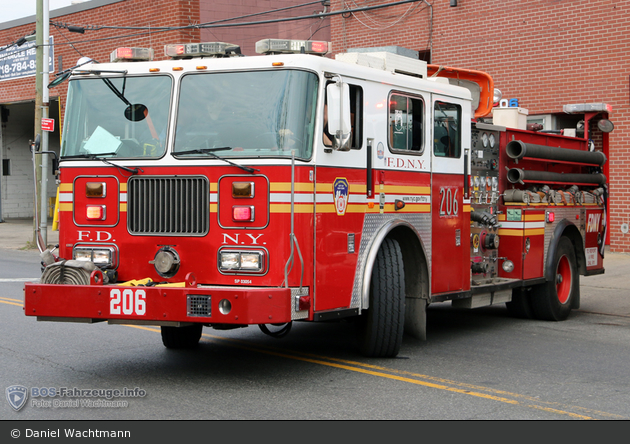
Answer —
17 396
73 397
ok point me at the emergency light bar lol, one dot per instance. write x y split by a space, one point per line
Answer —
209 49
283 46
587 108
131 54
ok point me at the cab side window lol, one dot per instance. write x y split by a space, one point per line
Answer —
447 129
406 116
356 119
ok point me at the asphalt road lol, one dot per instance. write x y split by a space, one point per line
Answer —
476 365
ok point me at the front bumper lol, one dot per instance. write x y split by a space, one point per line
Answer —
158 305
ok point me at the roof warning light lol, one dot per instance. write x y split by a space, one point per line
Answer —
129 54
283 46
209 49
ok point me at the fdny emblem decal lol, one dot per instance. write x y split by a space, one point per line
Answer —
341 191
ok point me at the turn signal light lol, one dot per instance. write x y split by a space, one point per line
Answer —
242 189
95 189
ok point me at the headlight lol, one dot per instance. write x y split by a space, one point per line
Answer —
251 261
104 257
242 261
83 255
230 261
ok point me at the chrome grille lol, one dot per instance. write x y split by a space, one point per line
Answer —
177 206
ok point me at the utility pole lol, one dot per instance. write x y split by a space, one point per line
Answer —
39 57
41 111
43 220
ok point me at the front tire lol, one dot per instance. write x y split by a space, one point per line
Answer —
181 337
553 300
381 329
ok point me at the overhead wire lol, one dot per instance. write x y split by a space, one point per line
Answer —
222 23
381 26
174 28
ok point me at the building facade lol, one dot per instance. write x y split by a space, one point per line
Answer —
545 53
108 24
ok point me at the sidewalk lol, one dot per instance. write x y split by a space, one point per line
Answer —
17 234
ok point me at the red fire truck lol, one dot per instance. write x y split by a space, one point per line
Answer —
213 189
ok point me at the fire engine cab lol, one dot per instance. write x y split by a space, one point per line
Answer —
214 189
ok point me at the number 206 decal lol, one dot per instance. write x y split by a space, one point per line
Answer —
127 302
449 205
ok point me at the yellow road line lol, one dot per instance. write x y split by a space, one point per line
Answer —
9 299
356 367
409 377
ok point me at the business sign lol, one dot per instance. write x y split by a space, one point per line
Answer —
19 61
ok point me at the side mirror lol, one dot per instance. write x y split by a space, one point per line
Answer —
38 143
339 124
605 125
136 112
55 167
59 80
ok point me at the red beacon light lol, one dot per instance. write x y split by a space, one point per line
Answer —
207 49
551 216
129 54
242 213
285 46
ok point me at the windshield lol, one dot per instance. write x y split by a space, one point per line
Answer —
117 117
254 114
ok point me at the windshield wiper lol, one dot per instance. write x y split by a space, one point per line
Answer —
96 156
210 151
87 156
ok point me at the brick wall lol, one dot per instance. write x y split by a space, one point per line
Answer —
246 36
99 44
546 53
18 94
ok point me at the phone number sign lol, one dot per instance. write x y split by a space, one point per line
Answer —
20 61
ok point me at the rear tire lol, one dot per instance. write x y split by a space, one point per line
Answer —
553 300
381 329
181 337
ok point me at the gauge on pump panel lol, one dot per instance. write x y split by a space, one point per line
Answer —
484 140
492 141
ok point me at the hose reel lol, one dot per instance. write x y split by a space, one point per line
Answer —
70 272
